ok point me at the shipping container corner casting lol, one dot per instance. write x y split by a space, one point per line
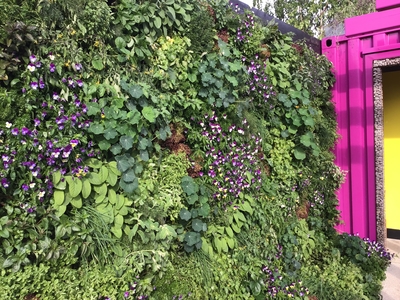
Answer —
361 56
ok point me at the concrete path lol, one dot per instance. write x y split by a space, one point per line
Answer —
391 285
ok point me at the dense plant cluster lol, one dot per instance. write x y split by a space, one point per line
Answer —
168 150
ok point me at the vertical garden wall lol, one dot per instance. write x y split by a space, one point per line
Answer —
168 150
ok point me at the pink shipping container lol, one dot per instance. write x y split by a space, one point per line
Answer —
370 45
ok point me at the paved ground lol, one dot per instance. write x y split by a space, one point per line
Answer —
391 286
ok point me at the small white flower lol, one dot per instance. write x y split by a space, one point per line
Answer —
8 124
32 185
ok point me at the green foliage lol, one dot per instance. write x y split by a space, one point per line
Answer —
201 31
314 17
87 282
139 25
130 147
220 76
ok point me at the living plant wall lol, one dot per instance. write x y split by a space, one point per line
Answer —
168 150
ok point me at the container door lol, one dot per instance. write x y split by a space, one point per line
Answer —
391 131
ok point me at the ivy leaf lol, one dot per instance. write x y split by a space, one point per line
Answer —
192 238
185 214
116 149
197 225
110 133
96 128
306 139
309 121
135 91
129 176
124 162
104 145
129 187
232 79
299 153
126 142
144 155
224 49
97 63
189 186
149 113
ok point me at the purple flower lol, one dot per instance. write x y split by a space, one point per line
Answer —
74 143
79 83
23 90
32 58
31 67
15 131
25 131
34 85
55 96
126 294
41 83
36 122
25 187
38 64
78 67
52 67
5 183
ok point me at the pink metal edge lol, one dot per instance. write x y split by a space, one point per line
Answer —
378 21
386 4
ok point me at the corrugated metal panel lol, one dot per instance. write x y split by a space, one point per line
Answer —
367 38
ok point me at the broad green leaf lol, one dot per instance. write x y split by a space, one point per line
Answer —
197 225
116 149
61 210
189 186
101 189
58 197
149 113
246 207
112 196
124 162
229 231
116 231
120 42
144 155
104 145
110 133
94 178
305 139
299 153
112 178
76 202
118 221
97 63
120 202
192 198
94 163
56 177
129 175
126 142
129 187
96 128
86 188
135 91
74 186
157 22
185 214
103 173
192 238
